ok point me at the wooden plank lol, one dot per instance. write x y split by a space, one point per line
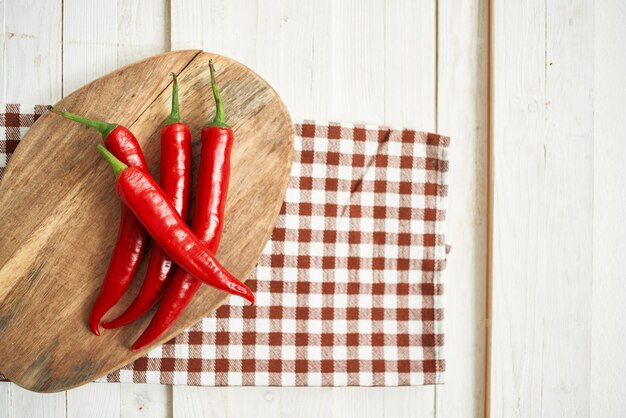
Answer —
89 41
187 22
27 404
192 401
5 400
226 27
608 344
103 398
543 208
262 402
357 92
103 35
145 401
33 48
410 64
306 402
234 402
312 402
519 101
296 40
462 114
569 160
409 402
355 402
142 29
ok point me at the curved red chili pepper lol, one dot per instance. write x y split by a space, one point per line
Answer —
142 194
132 237
175 181
207 222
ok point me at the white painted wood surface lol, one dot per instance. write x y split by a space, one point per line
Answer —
83 401
142 29
144 401
29 404
462 114
543 208
5 400
31 51
558 342
608 337
89 49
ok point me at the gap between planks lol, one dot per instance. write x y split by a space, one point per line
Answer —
489 240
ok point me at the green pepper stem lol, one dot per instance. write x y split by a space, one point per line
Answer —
116 164
175 115
220 117
104 128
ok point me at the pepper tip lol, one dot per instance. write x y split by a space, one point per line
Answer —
250 298
248 295
138 345
108 325
94 322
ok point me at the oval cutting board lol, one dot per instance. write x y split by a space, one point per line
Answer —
59 212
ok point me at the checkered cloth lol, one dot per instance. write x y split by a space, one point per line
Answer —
14 122
348 289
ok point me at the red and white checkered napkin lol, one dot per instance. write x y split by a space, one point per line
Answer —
348 289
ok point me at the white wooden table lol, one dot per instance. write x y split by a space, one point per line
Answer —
538 237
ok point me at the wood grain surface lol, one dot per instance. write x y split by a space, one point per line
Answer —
59 214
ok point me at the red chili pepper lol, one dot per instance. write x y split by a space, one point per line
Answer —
142 194
132 237
175 181
208 217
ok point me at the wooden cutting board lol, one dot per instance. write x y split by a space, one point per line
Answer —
59 212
